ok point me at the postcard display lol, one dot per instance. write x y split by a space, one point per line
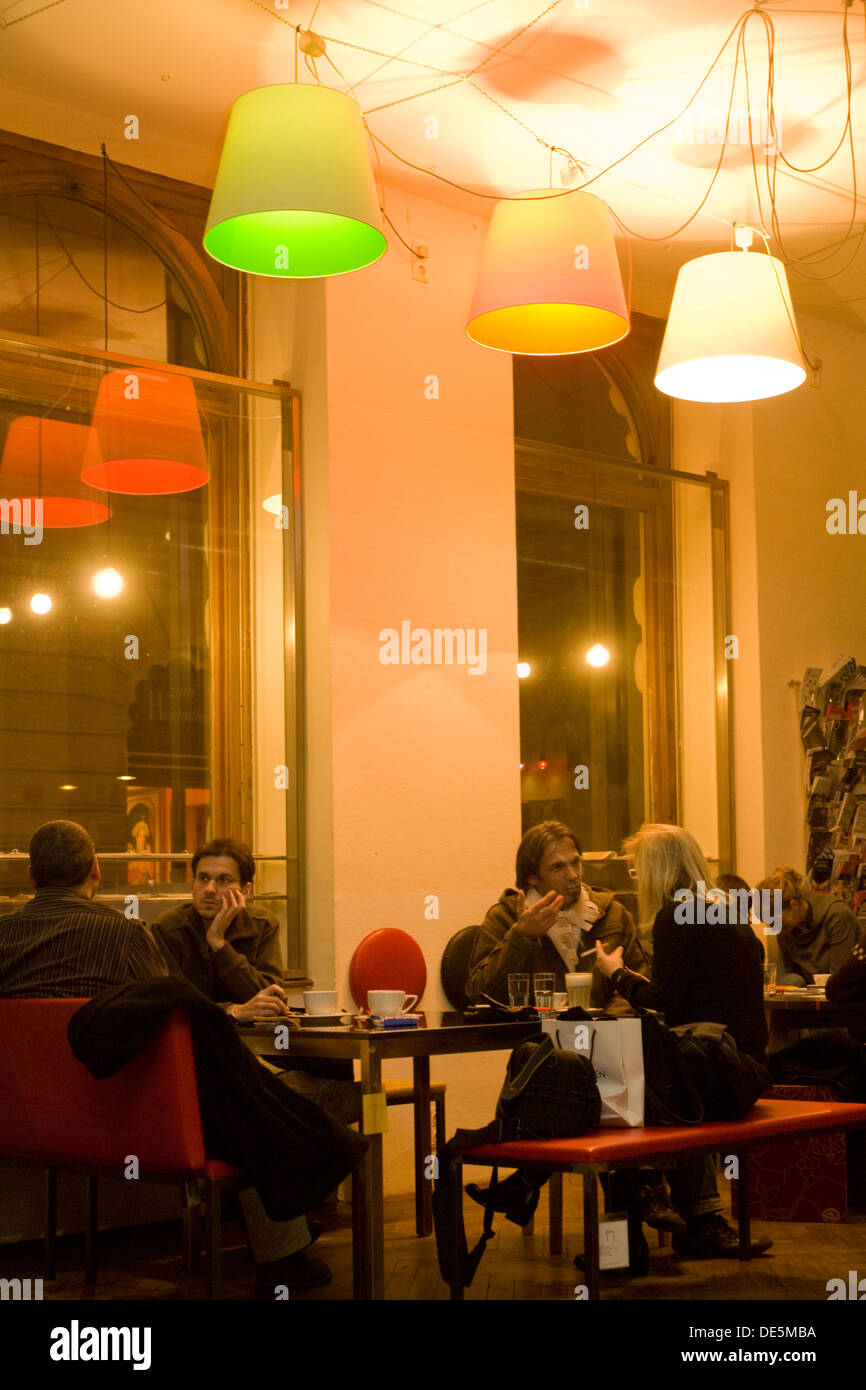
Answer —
833 730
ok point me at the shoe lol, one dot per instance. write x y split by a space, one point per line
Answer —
656 1210
297 1272
315 1229
638 1265
515 1198
711 1238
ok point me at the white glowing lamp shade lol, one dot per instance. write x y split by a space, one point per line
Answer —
549 282
731 334
294 196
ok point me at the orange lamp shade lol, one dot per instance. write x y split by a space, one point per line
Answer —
42 459
147 436
549 282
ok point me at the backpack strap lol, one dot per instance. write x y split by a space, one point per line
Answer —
513 1088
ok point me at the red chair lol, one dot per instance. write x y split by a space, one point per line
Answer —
55 1115
391 959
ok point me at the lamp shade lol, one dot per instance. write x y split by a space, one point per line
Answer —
731 334
42 459
549 282
147 436
294 195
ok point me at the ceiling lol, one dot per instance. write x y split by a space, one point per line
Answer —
592 77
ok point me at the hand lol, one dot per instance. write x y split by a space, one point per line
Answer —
268 1002
537 920
233 902
608 964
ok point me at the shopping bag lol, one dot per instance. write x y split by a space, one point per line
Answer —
615 1048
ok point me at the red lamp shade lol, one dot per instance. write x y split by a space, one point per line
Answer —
42 460
147 436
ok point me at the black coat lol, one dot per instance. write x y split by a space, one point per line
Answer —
293 1153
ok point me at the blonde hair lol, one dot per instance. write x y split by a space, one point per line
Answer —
792 884
666 858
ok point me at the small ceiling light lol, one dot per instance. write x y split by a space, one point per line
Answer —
294 196
274 504
523 669
598 655
41 603
68 787
5 615
107 583
549 282
126 777
731 334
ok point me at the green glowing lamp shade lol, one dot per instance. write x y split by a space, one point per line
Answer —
294 196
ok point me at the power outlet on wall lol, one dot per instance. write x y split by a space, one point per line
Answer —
421 261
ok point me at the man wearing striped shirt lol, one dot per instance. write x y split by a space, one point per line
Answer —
61 944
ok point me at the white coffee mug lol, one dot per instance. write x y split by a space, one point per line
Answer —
579 987
320 1001
387 1002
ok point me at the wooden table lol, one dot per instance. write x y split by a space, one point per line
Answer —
786 1013
438 1035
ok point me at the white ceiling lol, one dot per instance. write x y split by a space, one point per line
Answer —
594 76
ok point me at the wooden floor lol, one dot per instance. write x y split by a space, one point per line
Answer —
144 1263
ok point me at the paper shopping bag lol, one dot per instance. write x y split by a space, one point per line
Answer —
615 1048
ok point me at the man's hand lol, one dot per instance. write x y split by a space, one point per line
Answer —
233 902
608 964
537 920
267 1003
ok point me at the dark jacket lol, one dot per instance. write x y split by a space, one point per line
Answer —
848 984
292 1152
705 973
501 949
821 944
249 961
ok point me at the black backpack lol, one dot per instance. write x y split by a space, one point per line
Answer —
547 1094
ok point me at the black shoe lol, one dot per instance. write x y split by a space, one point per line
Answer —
638 1265
515 1198
711 1238
656 1210
297 1272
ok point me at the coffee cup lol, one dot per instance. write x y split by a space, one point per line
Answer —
320 1001
387 1002
579 987
821 980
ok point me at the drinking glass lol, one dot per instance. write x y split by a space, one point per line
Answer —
769 980
542 988
518 991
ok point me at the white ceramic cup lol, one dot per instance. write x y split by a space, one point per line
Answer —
320 1001
387 1002
579 987
821 980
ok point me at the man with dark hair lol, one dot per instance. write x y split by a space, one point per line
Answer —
551 921
61 944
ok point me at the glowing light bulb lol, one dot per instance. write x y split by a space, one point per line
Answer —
69 787
542 765
523 669
107 583
41 603
5 615
126 777
598 655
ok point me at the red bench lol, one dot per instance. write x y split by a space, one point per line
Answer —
55 1115
603 1150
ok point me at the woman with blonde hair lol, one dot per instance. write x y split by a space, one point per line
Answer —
704 969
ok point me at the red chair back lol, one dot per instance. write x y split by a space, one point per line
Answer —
387 959
52 1108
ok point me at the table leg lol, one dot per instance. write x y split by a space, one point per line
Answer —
369 1221
590 1231
423 1147
744 1215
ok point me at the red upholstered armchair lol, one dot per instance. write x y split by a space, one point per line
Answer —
54 1115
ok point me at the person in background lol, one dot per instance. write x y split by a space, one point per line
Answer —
709 973
818 932
551 921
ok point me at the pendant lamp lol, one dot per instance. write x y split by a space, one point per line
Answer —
731 334
43 459
147 435
294 196
549 282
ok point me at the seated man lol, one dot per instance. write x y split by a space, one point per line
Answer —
63 944
818 932
551 922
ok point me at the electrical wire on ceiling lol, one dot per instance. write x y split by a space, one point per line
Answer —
799 263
